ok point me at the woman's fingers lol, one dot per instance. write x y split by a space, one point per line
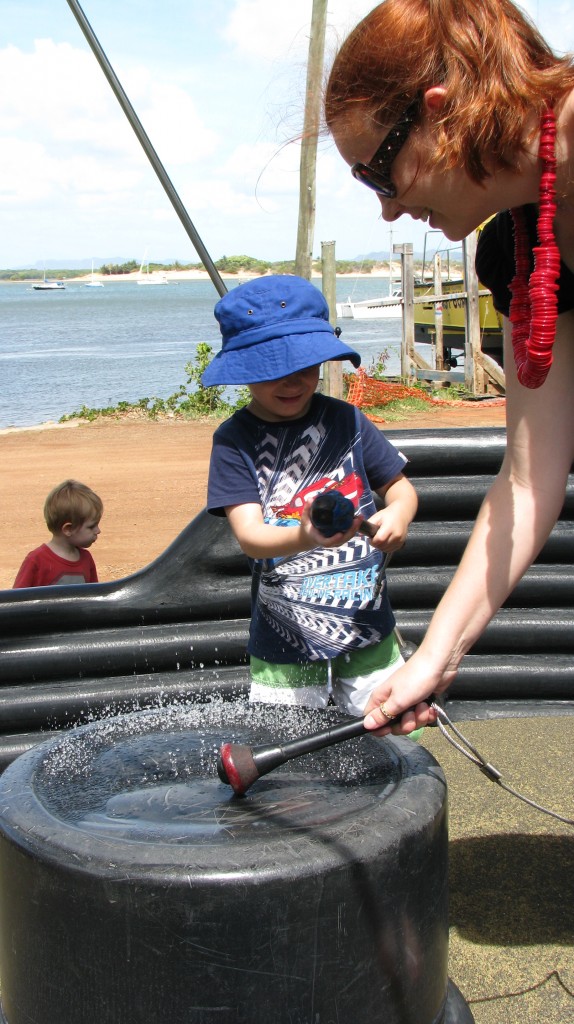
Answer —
401 722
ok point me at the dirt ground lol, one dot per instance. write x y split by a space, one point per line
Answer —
151 476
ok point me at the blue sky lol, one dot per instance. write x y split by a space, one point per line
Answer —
219 86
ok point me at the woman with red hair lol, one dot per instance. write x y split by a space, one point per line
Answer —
451 111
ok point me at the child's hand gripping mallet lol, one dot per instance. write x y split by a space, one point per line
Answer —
332 512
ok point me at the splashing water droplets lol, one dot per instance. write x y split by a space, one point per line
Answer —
152 773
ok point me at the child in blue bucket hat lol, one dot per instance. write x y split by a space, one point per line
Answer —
320 627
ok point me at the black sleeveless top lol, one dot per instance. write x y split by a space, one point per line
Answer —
495 260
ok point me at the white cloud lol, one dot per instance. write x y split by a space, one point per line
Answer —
30 175
280 32
217 99
48 91
270 31
69 150
170 117
264 169
57 94
26 172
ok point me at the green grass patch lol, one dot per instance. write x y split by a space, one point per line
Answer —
400 408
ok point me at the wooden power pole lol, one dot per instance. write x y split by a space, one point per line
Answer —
307 167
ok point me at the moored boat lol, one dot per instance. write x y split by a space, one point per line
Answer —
387 308
150 277
49 286
93 282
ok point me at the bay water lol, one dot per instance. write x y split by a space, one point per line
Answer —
95 347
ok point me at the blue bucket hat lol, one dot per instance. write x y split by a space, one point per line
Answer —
271 327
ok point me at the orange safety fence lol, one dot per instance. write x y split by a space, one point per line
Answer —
365 392
368 391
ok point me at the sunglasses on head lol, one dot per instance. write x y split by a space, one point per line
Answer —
377 173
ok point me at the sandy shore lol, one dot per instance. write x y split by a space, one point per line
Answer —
202 275
151 476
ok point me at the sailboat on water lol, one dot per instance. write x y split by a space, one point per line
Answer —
49 286
93 282
155 277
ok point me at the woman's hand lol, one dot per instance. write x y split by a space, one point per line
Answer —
406 697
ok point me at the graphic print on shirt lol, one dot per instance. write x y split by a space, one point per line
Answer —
313 601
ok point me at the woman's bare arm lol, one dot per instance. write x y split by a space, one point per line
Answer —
513 524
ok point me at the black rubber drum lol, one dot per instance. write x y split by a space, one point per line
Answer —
135 887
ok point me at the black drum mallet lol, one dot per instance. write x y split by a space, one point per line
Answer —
240 766
331 512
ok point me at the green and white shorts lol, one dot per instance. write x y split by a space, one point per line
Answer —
350 678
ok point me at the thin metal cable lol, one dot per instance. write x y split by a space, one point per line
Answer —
469 751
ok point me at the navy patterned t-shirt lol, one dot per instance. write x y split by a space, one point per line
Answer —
320 603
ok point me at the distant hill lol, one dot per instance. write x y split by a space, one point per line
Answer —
85 264
382 257
379 257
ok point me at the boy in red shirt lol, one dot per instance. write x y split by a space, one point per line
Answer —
72 512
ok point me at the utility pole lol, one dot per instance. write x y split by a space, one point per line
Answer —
307 166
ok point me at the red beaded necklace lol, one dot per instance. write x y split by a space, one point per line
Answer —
534 305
